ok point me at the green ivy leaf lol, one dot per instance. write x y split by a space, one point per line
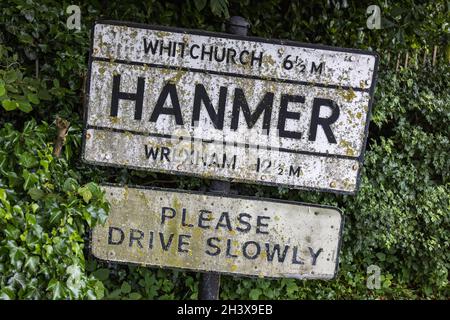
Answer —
85 193
17 254
57 289
9 105
55 216
7 294
99 290
135 296
25 106
30 218
36 194
32 263
34 207
115 294
255 293
219 8
102 274
125 288
74 281
70 185
2 195
28 160
11 76
44 94
200 4
31 179
381 256
2 88
33 98
94 189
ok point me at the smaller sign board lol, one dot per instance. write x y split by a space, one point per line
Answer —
227 234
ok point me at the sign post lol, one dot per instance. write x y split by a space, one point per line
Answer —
209 285
227 107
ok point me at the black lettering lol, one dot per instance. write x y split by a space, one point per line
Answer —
241 56
192 49
209 242
223 54
208 53
214 160
315 255
110 236
231 56
200 97
233 162
293 172
202 218
246 224
254 58
150 240
181 242
246 254
150 46
264 106
224 216
168 89
229 254
165 151
260 224
134 238
183 219
324 122
314 68
174 49
276 249
117 95
183 46
151 153
168 48
285 114
165 246
164 215
295 258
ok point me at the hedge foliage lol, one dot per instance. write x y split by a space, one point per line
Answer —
399 220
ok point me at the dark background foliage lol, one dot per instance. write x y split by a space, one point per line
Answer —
399 220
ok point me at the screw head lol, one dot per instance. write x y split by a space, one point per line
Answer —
238 25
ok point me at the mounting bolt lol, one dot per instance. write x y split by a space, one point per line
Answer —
333 184
238 25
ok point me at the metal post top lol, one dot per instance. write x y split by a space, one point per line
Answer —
238 25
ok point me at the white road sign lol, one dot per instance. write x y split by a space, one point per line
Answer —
233 234
228 107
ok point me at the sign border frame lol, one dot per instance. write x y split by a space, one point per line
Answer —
235 196
359 159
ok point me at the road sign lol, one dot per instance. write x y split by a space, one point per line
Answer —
228 107
227 234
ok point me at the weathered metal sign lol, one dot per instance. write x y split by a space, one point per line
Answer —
205 232
228 107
